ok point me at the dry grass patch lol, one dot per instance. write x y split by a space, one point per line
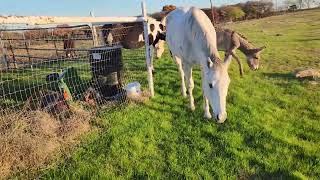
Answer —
142 98
30 140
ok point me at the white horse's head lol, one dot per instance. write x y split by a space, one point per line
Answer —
216 87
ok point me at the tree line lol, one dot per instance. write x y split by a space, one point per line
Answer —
240 11
248 10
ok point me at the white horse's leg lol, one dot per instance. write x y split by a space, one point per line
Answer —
183 84
190 84
207 113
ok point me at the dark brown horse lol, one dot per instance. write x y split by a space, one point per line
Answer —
116 34
68 46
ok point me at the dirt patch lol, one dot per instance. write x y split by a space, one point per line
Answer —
30 140
142 98
314 82
309 73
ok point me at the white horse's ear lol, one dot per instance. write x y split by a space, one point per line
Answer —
227 60
209 63
258 49
263 47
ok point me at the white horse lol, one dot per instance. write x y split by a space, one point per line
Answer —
192 41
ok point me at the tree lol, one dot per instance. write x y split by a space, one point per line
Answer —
233 12
301 3
309 3
169 8
251 9
257 9
215 12
216 15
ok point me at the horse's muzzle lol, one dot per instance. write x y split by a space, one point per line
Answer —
221 118
254 67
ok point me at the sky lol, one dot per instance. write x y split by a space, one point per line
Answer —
100 7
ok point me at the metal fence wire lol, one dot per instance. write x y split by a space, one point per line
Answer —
47 68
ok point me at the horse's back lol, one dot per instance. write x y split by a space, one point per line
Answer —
191 34
175 36
223 39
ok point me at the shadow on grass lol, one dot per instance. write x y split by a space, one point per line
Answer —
286 76
280 174
310 39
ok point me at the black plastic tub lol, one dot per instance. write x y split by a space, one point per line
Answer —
107 71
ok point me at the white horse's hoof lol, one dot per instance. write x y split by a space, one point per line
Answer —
221 121
192 108
184 94
207 116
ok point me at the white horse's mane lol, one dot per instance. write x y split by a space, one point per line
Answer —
201 33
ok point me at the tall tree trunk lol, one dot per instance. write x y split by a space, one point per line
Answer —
308 3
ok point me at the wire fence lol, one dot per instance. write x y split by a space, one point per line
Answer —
49 68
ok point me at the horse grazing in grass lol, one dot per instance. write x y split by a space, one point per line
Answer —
192 41
229 41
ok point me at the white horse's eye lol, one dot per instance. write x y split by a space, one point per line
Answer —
210 85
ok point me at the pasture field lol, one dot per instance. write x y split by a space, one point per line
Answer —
273 127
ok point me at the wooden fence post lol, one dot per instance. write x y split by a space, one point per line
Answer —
15 65
94 32
27 49
4 53
148 49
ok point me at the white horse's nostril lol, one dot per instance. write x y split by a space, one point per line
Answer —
221 118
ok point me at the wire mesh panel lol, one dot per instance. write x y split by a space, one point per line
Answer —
48 68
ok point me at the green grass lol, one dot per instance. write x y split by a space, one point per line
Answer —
273 129
17 85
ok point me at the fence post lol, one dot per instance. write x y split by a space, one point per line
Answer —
27 49
55 43
4 53
94 32
15 65
148 49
